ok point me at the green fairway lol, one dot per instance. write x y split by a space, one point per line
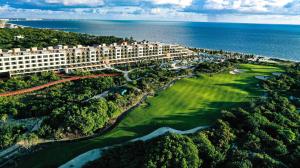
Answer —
189 103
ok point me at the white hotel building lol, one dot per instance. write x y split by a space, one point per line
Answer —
66 59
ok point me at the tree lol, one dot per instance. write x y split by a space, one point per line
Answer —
207 152
223 136
9 135
172 151
113 109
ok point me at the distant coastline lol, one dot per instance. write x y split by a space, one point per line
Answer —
71 28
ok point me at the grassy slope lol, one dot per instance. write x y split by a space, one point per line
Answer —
189 103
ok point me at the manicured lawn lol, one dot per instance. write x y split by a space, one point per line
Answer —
189 103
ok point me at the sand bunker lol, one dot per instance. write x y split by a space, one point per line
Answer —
276 73
95 154
262 77
237 71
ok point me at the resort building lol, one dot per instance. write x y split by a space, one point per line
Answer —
66 59
3 23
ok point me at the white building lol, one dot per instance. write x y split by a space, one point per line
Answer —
2 23
64 58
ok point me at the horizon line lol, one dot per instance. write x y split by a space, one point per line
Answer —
153 20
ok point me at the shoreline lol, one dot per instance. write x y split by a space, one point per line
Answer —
211 49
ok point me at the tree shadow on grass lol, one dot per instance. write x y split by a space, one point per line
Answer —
186 120
248 84
58 153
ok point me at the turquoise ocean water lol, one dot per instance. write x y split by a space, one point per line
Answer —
280 41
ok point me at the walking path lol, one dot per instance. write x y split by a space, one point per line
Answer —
95 154
23 91
126 76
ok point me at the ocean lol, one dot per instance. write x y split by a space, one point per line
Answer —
279 41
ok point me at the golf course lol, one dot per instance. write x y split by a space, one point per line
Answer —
189 103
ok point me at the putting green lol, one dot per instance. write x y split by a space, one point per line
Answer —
189 103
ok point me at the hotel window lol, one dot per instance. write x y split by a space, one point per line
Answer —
7 63
27 66
33 57
27 62
14 67
45 56
20 58
7 68
6 59
26 57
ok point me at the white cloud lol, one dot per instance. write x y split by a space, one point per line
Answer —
180 3
253 11
257 18
155 11
4 8
247 5
76 2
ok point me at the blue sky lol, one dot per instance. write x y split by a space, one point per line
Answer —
250 11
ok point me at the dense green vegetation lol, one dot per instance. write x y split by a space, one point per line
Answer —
187 104
264 133
10 135
286 84
22 82
46 37
69 111
213 67
64 105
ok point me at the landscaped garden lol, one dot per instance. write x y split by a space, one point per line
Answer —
191 102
